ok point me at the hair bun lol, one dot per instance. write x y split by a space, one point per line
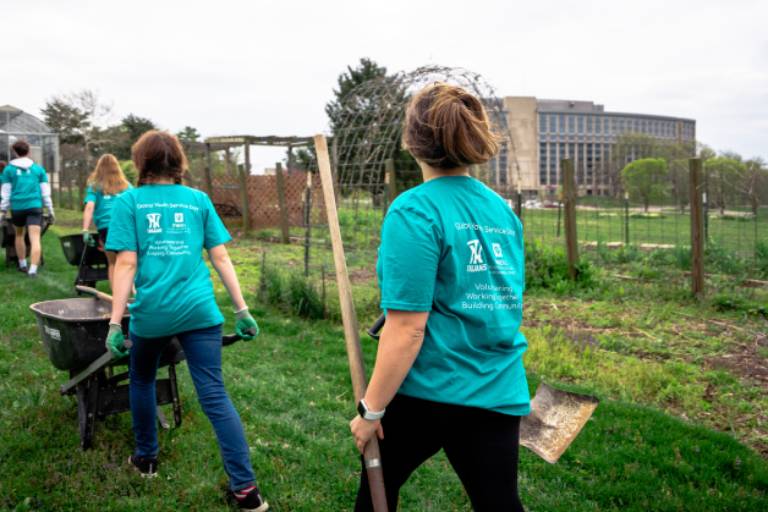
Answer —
447 127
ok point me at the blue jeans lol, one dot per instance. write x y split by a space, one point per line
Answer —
203 351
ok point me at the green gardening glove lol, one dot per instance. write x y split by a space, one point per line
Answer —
246 327
88 238
116 341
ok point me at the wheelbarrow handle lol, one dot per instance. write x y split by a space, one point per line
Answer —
375 330
230 339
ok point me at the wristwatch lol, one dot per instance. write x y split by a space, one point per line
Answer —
366 413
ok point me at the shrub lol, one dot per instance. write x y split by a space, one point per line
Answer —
303 298
734 302
761 259
547 267
294 294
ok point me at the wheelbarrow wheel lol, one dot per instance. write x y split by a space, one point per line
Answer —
87 396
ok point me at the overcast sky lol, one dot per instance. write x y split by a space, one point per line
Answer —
269 67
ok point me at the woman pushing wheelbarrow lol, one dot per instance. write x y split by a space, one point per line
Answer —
159 230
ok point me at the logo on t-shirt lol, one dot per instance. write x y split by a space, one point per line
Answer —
476 263
154 223
499 253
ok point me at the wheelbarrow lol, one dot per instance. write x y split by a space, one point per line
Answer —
73 332
8 240
91 262
555 420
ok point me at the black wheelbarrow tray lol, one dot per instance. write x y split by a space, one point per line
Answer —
91 262
73 333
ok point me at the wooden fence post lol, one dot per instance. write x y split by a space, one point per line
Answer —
284 223
245 200
390 183
208 171
228 161
307 222
569 196
697 228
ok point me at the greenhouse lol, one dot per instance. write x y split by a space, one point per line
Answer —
16 124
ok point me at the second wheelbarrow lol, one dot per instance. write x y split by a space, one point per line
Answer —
73 332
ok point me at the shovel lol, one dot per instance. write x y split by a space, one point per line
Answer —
555 420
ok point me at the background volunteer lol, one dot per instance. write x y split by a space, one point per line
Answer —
449 368
159 231
25 190
105 184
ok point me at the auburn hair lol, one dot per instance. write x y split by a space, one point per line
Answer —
108 176
21 148
159 154
446 127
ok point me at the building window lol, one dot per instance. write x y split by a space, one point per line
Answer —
553 123
542 123
552 164
580 122
542 163
562 123
571 124
589 124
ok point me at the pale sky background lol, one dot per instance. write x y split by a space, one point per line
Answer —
269 67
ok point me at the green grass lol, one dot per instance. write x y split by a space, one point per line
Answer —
663 438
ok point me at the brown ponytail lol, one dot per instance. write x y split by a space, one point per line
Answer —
446 127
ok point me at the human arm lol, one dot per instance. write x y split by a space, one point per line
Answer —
400 343
90 206
45 193
408 261
6 188
246 326
122 285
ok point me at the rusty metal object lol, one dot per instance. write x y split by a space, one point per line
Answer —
556 419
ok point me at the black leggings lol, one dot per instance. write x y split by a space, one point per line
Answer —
481 445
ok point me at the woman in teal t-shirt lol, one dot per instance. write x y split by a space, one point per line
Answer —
159 231
449 371
105 184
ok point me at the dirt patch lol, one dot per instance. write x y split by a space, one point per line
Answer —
361 275
745 361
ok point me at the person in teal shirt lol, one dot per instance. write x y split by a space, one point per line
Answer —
105 184
24 189
449 370
159 231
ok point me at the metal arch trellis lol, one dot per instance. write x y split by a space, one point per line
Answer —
369 133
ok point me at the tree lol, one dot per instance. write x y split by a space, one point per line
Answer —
754 177
77 117
723 173
66 119
188 134
365 123
645 179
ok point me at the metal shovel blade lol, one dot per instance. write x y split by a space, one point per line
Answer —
556 419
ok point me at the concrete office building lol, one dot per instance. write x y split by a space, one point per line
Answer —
544 132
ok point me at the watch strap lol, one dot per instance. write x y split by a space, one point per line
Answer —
367 414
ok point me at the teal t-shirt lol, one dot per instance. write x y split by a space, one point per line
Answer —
453 247
168 226
25 185
102 210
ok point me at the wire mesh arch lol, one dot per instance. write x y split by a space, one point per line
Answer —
368 132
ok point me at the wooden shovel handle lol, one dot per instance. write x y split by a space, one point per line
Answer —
371 454
94 292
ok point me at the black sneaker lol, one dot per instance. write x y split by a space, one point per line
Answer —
31 274
144 465
23 270
250 499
